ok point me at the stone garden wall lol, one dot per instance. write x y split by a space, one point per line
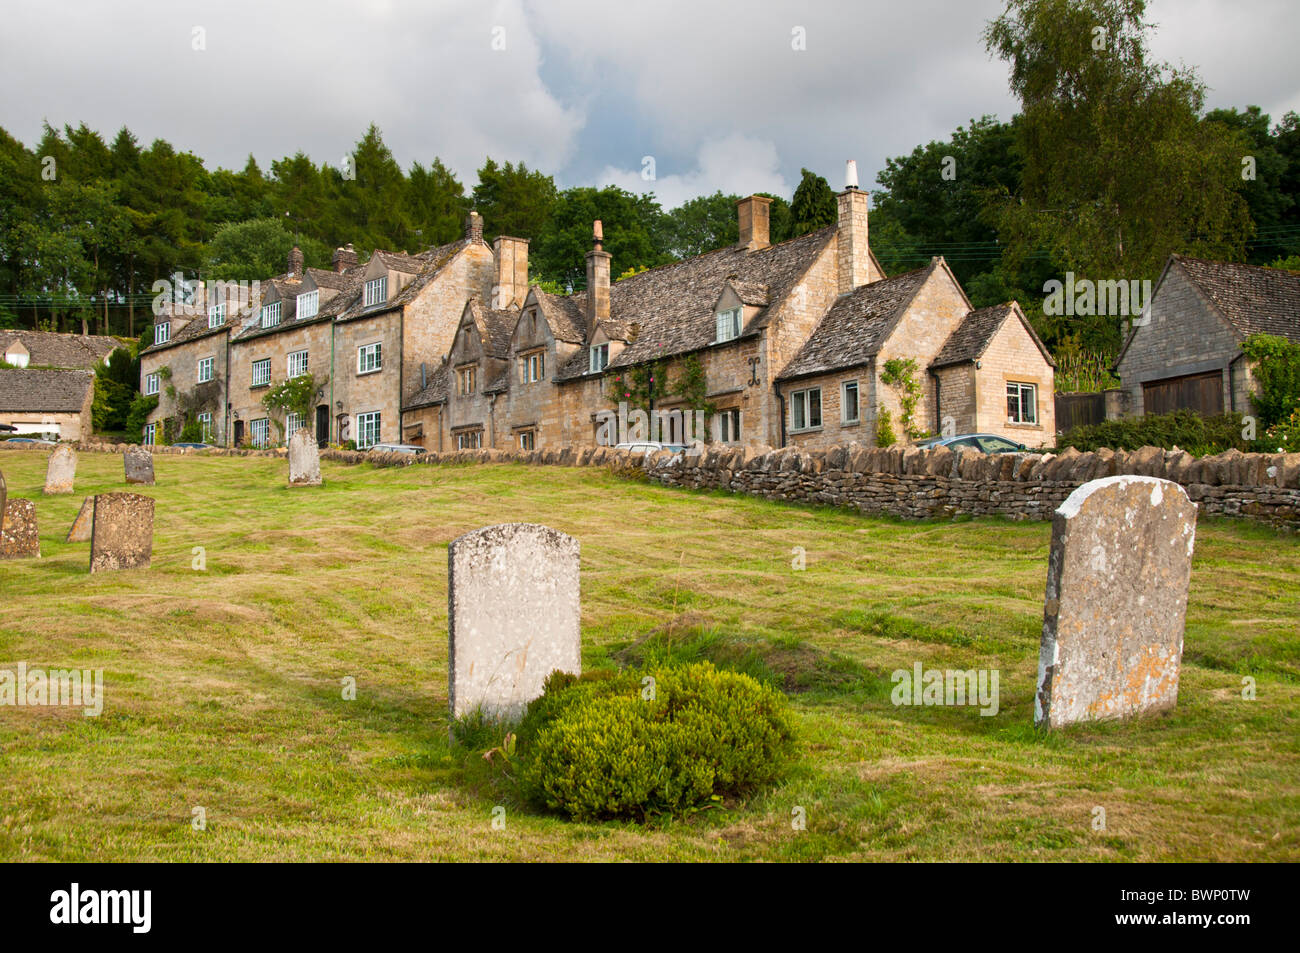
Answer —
909 482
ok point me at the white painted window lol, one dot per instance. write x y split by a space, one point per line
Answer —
599 357
376 291
262 372
205 426
150 384
206 366
1022 403
728 324
308 304
162 333
369 358
261 431
727 425
528 440
849 411
297 363
150 430
466 380
806 409
216 315
271 314
470 440
532 367
367 430
17 359
292 423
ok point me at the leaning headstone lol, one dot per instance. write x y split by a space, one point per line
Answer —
513 615
80 530
61 469
1117 580
122 532
139 466
304 459
18 537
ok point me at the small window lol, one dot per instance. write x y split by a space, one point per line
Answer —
297 363
806 409
271 314
369 358
162 333
1022 403
261 431
216 315
262 372
528 440
367 430
466 380
376 291
206 366
150 384
150 431
728 324
599 357
532 367
849 413
205 426
292 423
728 425
308 304
469 440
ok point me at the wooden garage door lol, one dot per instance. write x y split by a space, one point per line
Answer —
1202 393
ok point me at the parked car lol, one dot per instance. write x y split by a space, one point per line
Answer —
648 447
984 442
8 428
35 440
196 446
397 448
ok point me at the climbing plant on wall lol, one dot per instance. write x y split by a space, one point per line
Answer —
900 374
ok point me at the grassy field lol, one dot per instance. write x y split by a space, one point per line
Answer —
223 684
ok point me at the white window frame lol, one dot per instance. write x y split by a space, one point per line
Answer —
259 431
264 363
467 380
271 314
301 361
801 407
308 304
162 332
376 291
216 315
1021 387
729 425
151 384
293 422
532 367
205 425
598 355
844 403
469 440
150 433
208 364
528 440
728 325
369 429
370 358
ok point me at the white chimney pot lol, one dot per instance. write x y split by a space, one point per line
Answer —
851 174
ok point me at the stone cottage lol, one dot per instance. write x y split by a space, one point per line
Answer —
1185 349
48 386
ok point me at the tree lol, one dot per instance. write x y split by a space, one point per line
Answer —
514 200
437 204
1261 180
629 224
699 225
253 250
814 205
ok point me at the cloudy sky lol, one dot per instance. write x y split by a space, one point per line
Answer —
715 93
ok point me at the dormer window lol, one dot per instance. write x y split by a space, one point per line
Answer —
162 333
271 314
308 304
532 367
466 380
728 324
599 357
376 291
216 315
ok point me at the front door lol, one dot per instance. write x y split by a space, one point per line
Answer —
1202 393
239 433
323 425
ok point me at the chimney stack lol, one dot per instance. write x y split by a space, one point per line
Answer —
754 215
852 254
474 227
512 272
295 262
597 279
344 258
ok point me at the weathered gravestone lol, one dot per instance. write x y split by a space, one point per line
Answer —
61 469
139 466
1117 580
304 459
80 530
513 614
122 532
18 537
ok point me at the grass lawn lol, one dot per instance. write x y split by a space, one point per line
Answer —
223 685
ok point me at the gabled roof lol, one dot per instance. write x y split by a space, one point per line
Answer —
433 392
1254 300
196 327
564 315
399 261
857 324
336 280
751 292
61 350
495 328
430 265
976 331
43 391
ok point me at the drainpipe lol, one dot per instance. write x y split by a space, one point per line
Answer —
401 369
492 421
329 424
780 404
226 396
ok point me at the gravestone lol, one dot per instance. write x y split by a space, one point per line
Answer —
139 466
61 469
121 532
1117 580
304 459
80 530
18 537
513 615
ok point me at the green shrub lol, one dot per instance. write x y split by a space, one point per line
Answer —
885 436
597 746
1186 429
